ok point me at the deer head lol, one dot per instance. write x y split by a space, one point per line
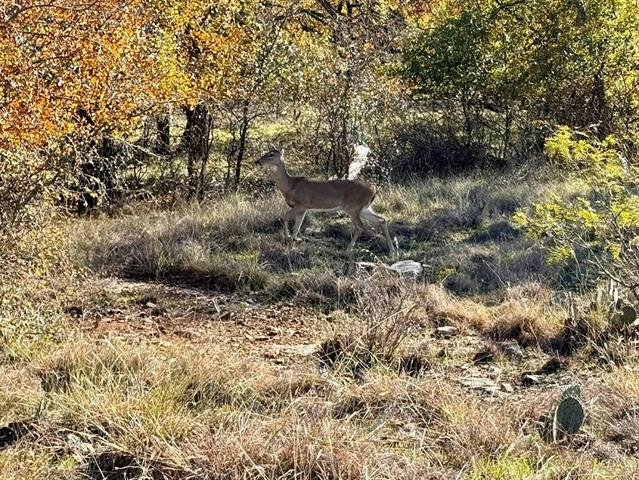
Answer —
271 160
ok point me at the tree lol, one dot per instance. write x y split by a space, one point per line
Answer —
501 66
599 230
345 47
204 48
72 74
64 62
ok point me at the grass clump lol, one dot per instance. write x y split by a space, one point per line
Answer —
188 246
384 314
528 322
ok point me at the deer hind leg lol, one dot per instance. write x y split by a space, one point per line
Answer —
358 226
379 223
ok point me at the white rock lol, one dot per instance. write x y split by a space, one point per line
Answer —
447 331
477 383
407 267
507 387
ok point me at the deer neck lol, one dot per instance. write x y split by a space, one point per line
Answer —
282 178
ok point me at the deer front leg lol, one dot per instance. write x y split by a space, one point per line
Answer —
285 229
380 224
299 219
358 228
287 217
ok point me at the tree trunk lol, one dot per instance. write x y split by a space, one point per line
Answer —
163 140
197 143
244 128
98 180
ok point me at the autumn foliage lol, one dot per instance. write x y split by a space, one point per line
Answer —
107 99
68 64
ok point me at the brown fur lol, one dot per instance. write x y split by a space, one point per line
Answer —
325 195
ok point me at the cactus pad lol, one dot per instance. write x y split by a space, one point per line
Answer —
569 417
572 392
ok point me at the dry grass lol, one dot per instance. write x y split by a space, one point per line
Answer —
446 309
236 243
118 402
104 407
530 321
189 246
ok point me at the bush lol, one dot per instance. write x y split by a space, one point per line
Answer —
599 230
420 150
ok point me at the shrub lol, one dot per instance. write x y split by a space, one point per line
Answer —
384 316
600 230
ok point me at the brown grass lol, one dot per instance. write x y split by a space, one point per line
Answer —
88 402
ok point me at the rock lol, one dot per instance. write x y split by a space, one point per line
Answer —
447 331
512 349
529 379
551 366
407 267
485 355
507 387
483 384
79 448
404 267
303 350
366 265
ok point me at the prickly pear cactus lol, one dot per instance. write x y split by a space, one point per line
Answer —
626 316
572 392
564 420
568 418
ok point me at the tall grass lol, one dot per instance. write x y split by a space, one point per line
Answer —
194 245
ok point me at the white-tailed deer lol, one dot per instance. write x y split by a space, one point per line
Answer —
352 196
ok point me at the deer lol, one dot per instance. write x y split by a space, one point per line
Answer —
301 195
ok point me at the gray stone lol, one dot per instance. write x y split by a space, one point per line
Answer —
447 331
478 383
512 349
407 267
